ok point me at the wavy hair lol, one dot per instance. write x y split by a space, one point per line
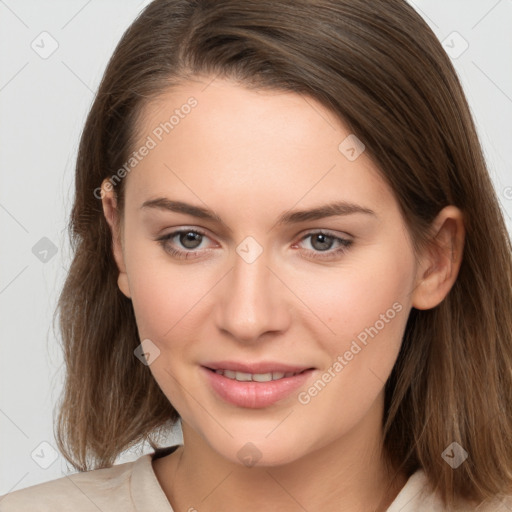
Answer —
382 71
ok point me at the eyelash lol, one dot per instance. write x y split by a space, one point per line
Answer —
330 254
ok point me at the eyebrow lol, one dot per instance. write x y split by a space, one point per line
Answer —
340 208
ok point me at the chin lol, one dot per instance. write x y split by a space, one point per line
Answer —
259 451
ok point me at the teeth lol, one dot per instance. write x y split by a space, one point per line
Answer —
229 374
256 377
262 377
243 376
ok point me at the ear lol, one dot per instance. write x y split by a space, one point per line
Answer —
113 218
440 261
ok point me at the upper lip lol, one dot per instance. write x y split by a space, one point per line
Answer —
261 367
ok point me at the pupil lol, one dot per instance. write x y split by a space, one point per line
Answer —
190 239
323 239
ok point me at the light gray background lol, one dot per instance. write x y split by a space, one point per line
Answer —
43 104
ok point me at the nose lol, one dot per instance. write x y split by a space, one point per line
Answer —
252 301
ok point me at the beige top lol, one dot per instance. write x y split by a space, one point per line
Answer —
134 487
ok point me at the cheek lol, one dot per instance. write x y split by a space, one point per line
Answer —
365 304
367 307
167 300
163 293
354 296
164 301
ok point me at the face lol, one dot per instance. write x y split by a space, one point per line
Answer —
248 284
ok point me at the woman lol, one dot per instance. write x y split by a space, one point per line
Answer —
286 238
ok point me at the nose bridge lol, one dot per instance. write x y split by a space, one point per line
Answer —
252 301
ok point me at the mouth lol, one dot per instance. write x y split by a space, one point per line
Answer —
254 386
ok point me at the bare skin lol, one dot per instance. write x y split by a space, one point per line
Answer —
250 156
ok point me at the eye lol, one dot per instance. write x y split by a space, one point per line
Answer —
182 244
322 242
187 244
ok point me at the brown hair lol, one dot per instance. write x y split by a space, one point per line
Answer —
382 71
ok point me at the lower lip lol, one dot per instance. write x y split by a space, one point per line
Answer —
254 395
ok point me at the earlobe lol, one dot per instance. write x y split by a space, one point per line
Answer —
440 261
122 283
109 203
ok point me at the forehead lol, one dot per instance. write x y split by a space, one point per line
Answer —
218 139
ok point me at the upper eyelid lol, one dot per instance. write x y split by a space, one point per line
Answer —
328 232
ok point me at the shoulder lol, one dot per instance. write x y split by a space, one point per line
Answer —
100 489
418 496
